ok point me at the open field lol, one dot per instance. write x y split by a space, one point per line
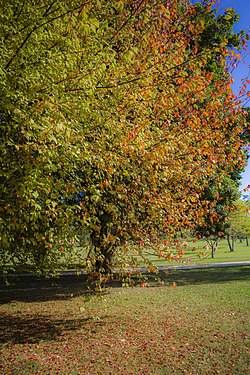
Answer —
190 322
195 253
203 256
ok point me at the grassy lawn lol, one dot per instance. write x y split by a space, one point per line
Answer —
192 322
203 256
195 253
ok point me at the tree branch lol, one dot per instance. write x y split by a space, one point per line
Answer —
36 27
125 23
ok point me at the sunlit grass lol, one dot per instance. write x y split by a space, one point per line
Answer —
190 322
198 253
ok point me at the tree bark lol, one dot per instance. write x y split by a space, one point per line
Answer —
213 251
104 253
231 245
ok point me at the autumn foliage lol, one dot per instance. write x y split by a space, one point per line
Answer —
124 103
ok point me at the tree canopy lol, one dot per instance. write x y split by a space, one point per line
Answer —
128 104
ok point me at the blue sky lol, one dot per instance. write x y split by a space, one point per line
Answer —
242 7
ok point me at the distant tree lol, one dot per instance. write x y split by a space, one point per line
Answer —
220 195
238 224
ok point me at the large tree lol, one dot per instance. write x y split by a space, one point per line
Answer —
117 102
41 59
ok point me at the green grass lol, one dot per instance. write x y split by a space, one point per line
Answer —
195 253
203 256
189 322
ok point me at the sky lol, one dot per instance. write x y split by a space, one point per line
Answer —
242 7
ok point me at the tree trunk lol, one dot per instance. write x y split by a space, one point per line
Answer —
104 252
231 245
39 258
104 260
247 242
233 242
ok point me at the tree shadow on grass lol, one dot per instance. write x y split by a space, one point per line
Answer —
203 275
34 289
34 328
41 289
